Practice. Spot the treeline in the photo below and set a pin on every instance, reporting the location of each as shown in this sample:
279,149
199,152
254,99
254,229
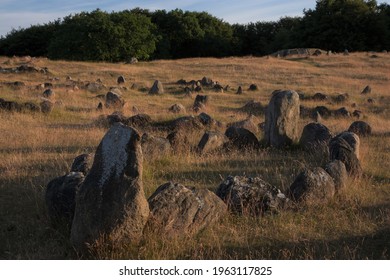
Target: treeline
356,25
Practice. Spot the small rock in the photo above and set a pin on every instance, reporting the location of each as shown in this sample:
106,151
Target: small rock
211,141
336,169
361,128
157,88
366,90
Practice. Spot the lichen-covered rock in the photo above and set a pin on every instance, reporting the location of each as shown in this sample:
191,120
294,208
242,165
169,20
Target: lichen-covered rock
211,141
178,210
254,196
200,102
312,186
336,169
281,120
177,108
111,201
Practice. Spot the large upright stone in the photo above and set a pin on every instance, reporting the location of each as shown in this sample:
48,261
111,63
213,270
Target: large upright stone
281,120
111,201
157,88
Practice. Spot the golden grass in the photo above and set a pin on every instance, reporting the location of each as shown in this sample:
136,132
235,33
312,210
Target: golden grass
35,148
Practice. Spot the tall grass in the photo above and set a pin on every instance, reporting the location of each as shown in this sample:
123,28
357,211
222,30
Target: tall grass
36,148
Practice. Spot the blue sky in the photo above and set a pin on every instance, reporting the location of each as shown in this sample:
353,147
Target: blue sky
23,13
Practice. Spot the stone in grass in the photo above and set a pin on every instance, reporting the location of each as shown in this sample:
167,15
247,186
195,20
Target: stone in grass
176,209
313,185
111,202
253,196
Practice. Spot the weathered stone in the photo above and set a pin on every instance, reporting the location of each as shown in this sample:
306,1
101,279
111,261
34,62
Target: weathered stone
121,80
154,146
361,128
208,121
111,201
139,121
180,210
115,117
157,88
353,140
95,87
312,185
49,93
60,198
239,90
319,96
253,87
114,100
46,106
206,81
179,141
241,138
177,108
281,120
251,124
339,149
200,102
211,141
342,113
314,135
253,108
366,90
336,169
253,196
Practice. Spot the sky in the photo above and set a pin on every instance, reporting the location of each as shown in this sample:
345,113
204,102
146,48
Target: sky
24,13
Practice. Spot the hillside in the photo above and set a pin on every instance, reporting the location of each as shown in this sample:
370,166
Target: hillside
37,147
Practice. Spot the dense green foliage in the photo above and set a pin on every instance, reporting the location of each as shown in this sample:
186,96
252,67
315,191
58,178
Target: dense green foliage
356,25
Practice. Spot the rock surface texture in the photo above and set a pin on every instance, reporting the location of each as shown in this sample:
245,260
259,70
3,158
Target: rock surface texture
111,201
177,209
281,120
254,196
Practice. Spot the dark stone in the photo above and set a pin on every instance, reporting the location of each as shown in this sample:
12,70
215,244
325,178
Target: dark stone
60,198
342,113
121,80
241,138
253,87
366,90
114,100
157,88
253,196
319,96
239,90
322,110
139,121
361,128
315,135
340,150
312,185
82,163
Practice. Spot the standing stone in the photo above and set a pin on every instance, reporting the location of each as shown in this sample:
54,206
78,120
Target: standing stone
46,106
239,90
114,100
121,80
366,90
111,201
312,185
336,169
339,149
281,120
157,88
254,196
48,93
177,209
200,102
353,140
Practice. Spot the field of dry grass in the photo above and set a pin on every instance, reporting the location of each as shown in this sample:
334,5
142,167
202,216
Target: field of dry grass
35,148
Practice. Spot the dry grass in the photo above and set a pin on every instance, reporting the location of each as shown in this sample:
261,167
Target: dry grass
35,148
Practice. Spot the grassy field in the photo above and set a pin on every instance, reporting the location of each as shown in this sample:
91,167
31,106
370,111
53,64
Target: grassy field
35,148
